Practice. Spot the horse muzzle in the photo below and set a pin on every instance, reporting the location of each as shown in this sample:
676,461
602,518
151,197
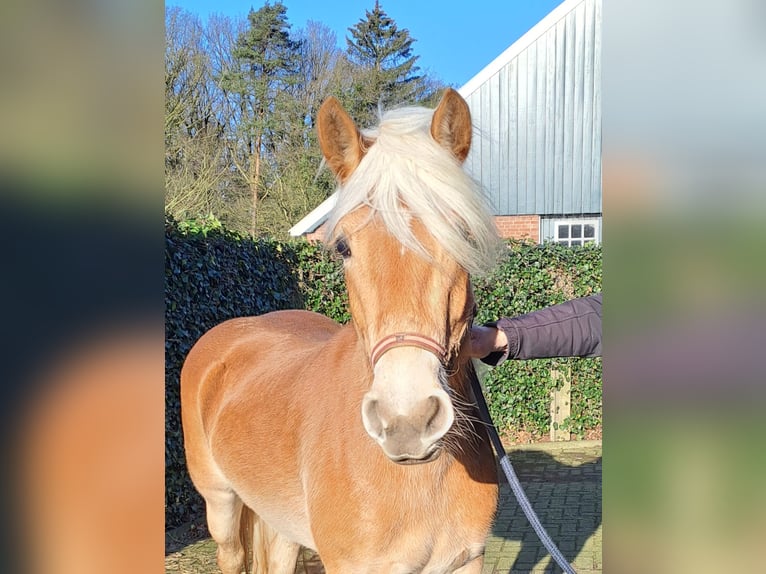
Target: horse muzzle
411,437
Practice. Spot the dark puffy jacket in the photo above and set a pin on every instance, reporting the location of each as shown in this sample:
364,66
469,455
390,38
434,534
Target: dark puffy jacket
571,329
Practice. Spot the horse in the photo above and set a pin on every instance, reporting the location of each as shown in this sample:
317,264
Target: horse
360,441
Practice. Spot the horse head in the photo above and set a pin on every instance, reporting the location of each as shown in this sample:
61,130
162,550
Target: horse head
411,226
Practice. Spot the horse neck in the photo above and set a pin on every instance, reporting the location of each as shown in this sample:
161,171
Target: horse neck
459,379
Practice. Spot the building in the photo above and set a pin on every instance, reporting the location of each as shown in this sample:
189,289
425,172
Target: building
536,149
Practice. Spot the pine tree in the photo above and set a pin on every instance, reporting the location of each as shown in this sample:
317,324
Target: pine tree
266,68
386,67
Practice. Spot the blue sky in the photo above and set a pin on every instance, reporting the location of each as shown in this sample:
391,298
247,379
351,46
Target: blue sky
454,39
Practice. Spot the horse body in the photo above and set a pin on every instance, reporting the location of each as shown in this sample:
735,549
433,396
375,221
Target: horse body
331,494
359,441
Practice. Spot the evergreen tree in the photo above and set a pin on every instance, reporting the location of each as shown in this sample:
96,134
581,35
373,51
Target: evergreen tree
386,67
267,64
241,98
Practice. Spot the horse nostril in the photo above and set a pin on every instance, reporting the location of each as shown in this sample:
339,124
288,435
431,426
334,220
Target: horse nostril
438,416
371,418
432,411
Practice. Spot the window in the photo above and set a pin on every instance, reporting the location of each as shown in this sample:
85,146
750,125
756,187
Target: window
576,231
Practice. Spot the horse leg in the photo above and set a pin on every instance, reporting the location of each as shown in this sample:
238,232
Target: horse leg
224,509
272,552
283,556
473,567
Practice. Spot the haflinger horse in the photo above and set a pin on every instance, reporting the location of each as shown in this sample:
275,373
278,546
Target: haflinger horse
361,440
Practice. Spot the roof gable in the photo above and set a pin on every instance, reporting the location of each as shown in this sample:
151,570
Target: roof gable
319,215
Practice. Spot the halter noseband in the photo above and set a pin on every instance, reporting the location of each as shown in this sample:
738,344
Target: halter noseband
407,340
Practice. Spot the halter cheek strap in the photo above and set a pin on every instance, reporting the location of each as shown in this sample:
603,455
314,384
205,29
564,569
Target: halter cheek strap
407,340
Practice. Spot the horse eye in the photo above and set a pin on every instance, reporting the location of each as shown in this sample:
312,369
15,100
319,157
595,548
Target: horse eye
342,247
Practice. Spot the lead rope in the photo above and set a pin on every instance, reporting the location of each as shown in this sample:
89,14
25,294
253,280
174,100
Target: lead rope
513,480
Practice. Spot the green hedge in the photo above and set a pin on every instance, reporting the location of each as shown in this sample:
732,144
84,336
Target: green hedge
527,278
212,275
320,280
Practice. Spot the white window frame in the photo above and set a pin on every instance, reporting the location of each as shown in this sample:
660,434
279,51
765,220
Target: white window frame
570,222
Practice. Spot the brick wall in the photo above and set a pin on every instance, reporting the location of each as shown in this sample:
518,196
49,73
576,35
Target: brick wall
508,226
518,227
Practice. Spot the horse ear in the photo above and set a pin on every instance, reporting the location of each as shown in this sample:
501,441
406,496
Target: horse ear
451,125
343,146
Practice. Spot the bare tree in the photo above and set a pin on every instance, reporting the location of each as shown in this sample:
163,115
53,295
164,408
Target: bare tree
193,162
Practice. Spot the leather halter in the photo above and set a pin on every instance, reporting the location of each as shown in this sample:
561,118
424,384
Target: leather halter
407,340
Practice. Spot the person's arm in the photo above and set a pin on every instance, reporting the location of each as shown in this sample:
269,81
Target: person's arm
571,329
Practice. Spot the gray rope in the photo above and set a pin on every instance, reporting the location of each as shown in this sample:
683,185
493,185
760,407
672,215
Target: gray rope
513,480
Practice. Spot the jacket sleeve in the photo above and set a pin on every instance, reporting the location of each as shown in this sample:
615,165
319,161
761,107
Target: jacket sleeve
571,329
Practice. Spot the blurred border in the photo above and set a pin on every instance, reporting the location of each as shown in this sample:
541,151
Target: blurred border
81,192
81,200
684,194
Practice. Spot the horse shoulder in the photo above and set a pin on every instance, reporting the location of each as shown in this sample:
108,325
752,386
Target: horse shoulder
244,360
247,339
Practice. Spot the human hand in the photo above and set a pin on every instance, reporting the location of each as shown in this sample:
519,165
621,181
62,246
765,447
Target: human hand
485,340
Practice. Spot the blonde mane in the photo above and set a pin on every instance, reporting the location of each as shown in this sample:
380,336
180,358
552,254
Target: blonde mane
407,175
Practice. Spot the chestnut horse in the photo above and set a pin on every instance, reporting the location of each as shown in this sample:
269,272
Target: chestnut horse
359,441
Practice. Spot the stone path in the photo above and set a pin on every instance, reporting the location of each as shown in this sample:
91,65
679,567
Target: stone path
563,483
